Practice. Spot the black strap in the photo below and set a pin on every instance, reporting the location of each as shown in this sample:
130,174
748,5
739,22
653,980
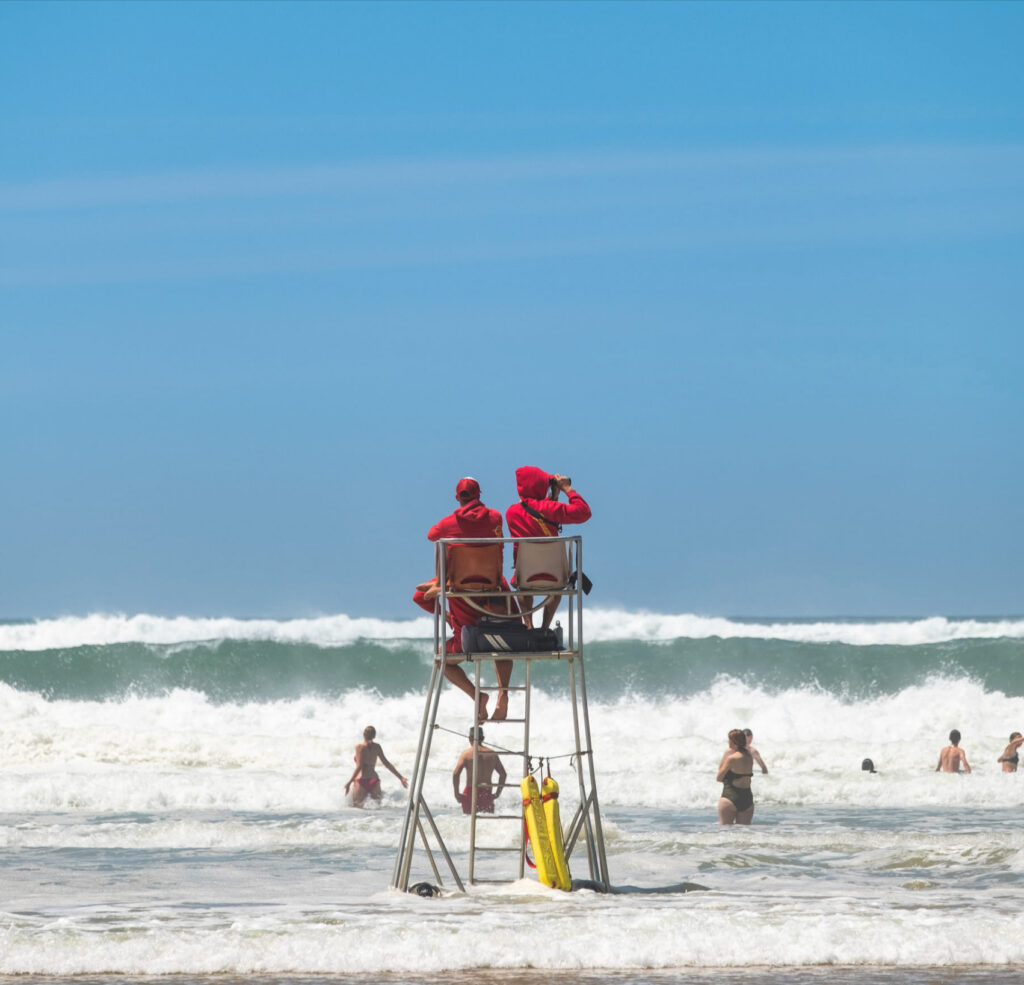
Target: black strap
539,516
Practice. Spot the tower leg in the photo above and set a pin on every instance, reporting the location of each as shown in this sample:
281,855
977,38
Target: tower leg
400,876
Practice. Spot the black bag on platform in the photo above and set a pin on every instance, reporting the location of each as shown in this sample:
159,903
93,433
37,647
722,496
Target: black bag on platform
509,637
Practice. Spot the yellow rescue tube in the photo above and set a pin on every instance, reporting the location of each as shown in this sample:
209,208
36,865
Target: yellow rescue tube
549,791
550,861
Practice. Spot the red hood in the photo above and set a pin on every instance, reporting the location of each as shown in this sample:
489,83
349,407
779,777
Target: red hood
532,483
474,510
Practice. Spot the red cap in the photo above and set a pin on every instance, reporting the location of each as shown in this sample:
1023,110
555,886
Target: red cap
468,488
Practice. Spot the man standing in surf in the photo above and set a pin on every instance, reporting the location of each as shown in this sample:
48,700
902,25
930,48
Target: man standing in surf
952,756
365,776
487,764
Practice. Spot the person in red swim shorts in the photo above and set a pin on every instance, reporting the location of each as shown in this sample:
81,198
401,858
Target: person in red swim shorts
471,519
540,514
367,783
487,764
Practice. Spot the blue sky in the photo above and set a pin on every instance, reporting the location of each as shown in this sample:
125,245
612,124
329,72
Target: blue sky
274,276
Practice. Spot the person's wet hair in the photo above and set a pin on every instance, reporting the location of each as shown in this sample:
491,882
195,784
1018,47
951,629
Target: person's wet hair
476,735
369,732
868,765
738,739
954,737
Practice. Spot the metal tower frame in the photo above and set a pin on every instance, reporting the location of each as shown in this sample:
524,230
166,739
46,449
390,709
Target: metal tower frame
587,818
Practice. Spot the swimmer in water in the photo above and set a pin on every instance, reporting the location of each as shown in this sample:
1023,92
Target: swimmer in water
736,805
753,752
952,756
1011,754
367,783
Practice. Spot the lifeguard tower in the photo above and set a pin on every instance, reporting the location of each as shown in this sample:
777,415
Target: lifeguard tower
470,569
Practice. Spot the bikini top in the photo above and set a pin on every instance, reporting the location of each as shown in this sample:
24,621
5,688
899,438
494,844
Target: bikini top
730,776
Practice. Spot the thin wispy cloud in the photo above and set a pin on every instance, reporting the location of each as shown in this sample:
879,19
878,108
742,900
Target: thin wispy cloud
230,223
234,182
902,228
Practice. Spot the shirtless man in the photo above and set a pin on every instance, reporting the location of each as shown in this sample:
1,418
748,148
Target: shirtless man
952,756
487,764
365,776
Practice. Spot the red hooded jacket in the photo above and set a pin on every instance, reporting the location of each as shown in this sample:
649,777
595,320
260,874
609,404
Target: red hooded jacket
471,520
533,485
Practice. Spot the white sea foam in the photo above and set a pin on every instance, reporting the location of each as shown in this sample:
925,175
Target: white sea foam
182,751
552,931
618,624
174,835
100,629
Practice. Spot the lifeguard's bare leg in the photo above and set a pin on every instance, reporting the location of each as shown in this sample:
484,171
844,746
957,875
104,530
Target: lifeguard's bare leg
503,669
525,605
458,677
550,608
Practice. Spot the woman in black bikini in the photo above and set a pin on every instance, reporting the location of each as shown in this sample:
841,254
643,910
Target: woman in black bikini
736,805
1011,754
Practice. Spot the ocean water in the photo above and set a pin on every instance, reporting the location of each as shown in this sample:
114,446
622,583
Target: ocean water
172,807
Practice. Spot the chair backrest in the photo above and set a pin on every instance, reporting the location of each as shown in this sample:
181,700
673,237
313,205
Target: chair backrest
542,565
474,566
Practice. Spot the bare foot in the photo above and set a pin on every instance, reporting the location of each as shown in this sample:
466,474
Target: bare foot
481,709
501,709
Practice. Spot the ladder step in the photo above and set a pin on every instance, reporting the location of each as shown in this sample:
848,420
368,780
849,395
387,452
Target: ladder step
483,848
498,687
494,882
505,721
499,817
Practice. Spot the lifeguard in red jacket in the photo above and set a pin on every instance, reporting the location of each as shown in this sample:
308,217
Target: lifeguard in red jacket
539,513
471,519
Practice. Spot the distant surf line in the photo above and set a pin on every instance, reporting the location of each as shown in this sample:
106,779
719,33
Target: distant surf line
603,625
